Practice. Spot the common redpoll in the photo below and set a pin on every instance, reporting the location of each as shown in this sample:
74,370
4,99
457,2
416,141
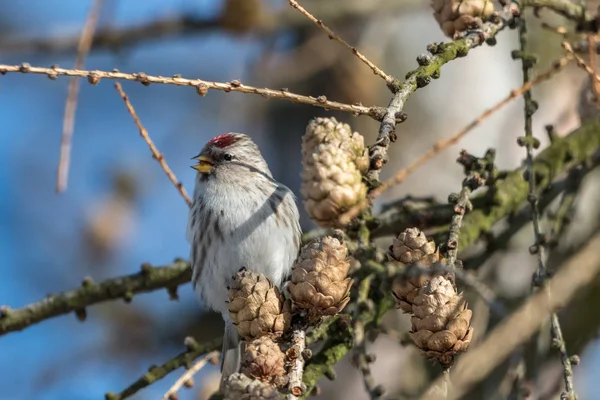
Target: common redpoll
240,217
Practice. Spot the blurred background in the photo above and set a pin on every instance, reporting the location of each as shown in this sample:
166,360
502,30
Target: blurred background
120,210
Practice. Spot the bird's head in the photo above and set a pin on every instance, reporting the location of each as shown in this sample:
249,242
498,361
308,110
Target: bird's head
230,152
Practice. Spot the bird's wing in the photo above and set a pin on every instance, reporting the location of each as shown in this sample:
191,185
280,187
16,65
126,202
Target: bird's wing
189,233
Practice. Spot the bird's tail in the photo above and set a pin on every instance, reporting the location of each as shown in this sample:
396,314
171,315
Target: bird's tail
231,355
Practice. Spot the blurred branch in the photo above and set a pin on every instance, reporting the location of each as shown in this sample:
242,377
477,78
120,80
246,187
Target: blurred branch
168,28
592,57
530,142
476,364
581,323
581,63
561,217
185,359
361,358
333,36
83,47
125,287
157,155
566,8
212,357
522,217
202,87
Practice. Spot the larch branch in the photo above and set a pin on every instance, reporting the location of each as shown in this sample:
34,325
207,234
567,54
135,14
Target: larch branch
212,357
158,156
90,293
201,86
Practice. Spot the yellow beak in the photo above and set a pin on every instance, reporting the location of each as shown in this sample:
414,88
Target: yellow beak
205,164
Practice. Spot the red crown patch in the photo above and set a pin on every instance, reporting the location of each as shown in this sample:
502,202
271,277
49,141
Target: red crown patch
222,141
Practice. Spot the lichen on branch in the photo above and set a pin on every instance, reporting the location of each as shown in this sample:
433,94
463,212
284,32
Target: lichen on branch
148,279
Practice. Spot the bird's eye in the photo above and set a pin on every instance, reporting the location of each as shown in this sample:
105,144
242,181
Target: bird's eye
227,157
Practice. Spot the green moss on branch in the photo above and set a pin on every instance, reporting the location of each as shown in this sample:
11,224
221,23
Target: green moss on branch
148,279
576,148
429,69
340,339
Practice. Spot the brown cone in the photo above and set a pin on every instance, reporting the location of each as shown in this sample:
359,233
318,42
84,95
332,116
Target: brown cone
264,360
319,282
441,321
410,247
257,308
456,16
333,159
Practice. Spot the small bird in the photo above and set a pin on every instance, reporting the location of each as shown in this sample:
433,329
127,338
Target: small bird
240,218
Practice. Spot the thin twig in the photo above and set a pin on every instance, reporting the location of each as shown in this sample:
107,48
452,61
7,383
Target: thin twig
559,30
443,144
201,86
592,54
158,156
333,36
541,275
361,358
83,47
210,357
562,216
183,359
462,206
477,363
479,172
580,61
295,384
